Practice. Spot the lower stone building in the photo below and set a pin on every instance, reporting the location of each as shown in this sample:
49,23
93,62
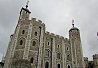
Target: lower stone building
91,64
2,63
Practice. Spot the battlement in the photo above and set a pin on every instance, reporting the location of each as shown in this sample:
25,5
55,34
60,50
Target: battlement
33,19
66,39
85,58
48,33
95,56
52,34
37,21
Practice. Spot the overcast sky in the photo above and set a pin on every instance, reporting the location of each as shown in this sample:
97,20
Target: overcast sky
57,16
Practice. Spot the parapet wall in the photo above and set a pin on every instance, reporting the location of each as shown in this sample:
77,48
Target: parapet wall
85,58
95,56
37,21
57,36
48,33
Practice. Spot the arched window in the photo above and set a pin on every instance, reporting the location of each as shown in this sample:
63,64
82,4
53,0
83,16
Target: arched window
46,65
34,43
35,33
68,66
47,52
58,55
67,48
21,42
48,43
58,46
23,31
58,65
68,57
31,60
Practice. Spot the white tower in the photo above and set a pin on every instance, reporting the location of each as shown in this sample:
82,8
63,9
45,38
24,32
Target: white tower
76,47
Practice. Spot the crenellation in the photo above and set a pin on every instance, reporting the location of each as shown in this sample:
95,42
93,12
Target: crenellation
57,36
43,24
95,56
86,58
66,39
61,37
39,21
47,32
33,19
52,34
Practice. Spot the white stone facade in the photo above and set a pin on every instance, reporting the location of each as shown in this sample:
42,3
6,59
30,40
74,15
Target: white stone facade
42,49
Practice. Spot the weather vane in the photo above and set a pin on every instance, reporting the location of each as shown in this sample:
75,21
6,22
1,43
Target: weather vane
27,3
73,23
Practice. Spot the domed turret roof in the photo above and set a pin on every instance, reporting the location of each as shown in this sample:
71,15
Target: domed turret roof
26,9
73,28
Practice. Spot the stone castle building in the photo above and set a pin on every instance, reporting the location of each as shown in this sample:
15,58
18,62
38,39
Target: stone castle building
31,46
91,64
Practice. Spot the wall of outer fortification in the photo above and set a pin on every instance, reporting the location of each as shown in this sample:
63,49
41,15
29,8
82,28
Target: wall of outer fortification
86,62
95,60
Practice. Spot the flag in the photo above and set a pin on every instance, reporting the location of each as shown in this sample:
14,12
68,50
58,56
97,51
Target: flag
73,23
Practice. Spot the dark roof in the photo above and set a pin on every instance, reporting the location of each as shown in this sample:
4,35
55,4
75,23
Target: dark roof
73,28
26,10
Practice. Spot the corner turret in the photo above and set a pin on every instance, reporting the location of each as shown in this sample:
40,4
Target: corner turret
24,13
75,42
73,28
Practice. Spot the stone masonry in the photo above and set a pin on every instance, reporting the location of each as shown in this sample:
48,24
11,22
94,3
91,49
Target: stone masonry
31,46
